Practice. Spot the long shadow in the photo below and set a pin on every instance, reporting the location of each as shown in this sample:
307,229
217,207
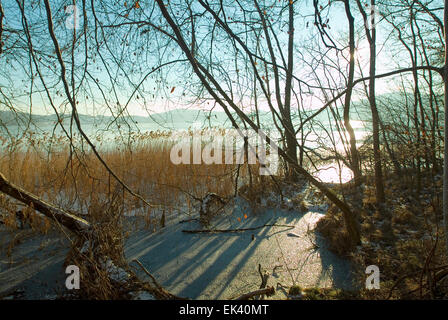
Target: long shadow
180,258
172,260
160,255
225,259
235,270
159,251
289,218
190,265
339,269
46,282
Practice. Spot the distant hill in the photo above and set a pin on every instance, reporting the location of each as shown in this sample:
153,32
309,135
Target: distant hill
180,119
174,119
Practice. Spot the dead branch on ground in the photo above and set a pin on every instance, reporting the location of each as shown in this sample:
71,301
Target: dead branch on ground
240,230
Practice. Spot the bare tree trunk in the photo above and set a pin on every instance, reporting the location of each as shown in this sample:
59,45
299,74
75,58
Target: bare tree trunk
285,108
71,222
2,15
355,162
371,37
379,184
291,140
445,141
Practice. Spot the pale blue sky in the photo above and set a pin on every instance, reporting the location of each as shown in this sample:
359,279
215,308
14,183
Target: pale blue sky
338,23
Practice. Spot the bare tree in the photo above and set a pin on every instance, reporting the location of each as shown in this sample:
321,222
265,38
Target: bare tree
370,30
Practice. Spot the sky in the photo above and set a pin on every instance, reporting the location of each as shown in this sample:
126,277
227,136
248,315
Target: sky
173,90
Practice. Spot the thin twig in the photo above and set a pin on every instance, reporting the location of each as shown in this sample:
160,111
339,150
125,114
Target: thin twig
149,274
162,291
284,260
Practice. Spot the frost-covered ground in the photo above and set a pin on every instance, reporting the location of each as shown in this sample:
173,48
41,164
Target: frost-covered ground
197,266
33,270
225,265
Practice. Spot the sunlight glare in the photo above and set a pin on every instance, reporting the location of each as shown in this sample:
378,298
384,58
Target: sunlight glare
330,174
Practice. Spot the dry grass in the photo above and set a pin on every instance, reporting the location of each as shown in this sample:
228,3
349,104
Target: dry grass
27,217
313,293
75,180
332,227
91,254
260,190
404,240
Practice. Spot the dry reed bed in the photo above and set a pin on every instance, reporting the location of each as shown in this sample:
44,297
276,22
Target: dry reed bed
74,178
76,181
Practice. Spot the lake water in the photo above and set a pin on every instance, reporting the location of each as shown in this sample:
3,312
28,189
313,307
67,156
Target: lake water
109,137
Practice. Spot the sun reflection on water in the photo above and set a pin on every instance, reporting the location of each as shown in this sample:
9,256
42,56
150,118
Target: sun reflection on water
332,174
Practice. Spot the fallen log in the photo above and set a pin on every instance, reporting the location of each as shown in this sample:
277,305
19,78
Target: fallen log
238,230
70,221
81,228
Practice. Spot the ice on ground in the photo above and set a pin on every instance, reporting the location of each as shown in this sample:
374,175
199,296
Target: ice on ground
33,268
143,295
225,265
198,266
115,273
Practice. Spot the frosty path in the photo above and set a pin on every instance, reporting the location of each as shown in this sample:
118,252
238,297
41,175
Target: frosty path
225,265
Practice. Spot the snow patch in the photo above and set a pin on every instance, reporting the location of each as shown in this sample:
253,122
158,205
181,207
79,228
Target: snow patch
116,273
143,295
